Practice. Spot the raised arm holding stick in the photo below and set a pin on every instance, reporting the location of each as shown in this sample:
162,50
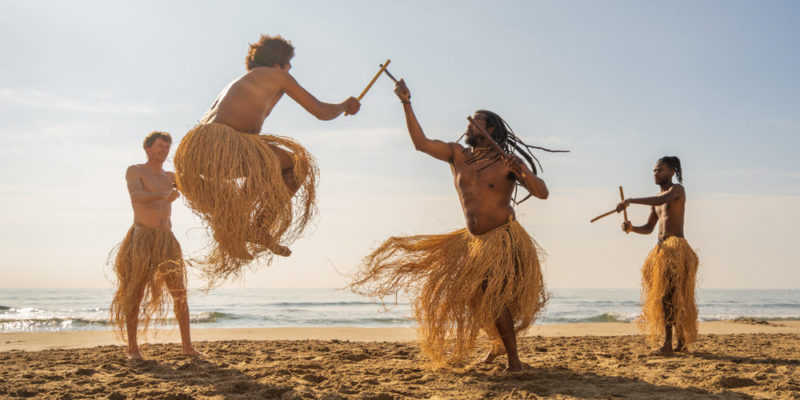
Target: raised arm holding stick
255,192
456,293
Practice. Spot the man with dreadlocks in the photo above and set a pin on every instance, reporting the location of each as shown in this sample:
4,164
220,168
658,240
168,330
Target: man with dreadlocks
485,276
668,274
241,183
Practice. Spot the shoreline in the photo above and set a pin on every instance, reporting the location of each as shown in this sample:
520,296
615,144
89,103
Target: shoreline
35,341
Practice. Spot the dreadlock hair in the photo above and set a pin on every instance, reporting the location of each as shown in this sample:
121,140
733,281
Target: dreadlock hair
504,136
674,163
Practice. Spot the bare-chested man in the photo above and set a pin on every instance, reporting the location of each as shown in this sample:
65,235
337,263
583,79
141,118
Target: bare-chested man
668,274
149,261
486,276
242,183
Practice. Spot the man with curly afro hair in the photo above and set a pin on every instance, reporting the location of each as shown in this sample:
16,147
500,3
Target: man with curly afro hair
256,192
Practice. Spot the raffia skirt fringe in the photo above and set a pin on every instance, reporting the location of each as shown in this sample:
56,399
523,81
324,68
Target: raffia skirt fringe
460,284
234,182
144,263
669,270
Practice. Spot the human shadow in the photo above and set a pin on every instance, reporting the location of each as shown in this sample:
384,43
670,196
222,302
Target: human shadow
744,359
586,385
187,377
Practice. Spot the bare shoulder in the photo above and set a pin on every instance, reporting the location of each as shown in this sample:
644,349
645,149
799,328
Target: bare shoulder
457,151
677,192
268,76
134,170
457,148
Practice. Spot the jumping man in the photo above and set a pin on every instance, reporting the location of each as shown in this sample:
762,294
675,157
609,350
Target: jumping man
255,192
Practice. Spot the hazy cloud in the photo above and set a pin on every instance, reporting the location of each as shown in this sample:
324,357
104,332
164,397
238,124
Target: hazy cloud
96,103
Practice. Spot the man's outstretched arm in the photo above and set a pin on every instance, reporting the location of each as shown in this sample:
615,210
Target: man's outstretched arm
435,148
673,193
319,109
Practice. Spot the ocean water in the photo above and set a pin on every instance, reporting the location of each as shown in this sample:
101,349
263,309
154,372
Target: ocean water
29,310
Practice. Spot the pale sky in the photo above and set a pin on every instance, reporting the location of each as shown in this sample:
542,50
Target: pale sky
620,83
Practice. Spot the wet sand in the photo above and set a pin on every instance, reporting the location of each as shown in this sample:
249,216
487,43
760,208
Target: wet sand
571,361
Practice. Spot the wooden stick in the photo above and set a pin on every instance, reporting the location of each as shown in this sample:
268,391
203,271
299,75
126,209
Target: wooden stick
375,78
603,215
389,74
624,210
488,137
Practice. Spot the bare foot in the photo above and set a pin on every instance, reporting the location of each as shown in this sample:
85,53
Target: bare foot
515,366
663,351
190,351
490,356
277,249
280,250
135,355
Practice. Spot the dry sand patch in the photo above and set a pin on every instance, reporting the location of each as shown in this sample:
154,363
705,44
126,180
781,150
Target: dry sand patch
741,366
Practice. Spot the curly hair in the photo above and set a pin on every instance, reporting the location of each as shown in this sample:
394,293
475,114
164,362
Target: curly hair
269,51
152,136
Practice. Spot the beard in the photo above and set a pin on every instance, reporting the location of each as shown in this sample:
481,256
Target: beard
472,141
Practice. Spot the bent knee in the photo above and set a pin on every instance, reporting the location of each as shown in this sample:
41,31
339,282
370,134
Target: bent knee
285,158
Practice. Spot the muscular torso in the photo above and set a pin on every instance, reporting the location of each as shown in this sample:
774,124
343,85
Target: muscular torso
247,101
670,218
485,195
154,214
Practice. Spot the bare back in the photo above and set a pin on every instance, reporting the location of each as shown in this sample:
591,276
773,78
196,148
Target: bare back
246,102
670,214
154,213
486,194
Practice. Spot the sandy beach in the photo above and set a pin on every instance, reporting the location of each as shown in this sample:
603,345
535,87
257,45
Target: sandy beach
733,360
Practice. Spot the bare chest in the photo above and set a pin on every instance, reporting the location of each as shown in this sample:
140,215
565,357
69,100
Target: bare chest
482,177
153,182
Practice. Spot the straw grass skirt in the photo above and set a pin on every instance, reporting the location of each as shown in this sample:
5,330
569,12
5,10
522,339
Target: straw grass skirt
145,262
669,272
236,184
459,284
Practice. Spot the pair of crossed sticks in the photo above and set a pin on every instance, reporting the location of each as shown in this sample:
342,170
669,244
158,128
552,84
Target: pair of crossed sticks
624,210
382,70
481,129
